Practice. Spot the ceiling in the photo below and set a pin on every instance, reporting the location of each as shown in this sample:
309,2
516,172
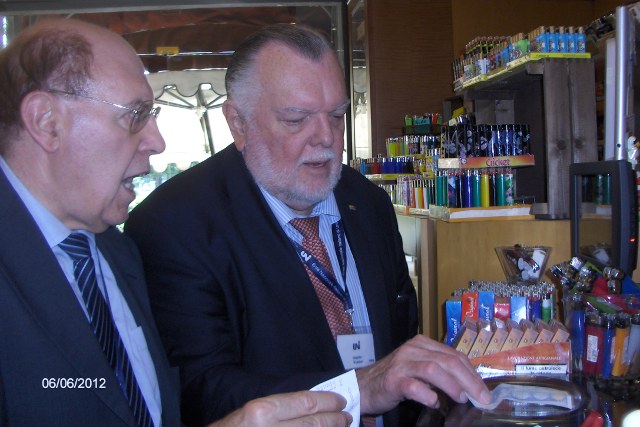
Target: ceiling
191,38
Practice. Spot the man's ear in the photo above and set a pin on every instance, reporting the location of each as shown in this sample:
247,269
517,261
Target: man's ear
40,118
236,123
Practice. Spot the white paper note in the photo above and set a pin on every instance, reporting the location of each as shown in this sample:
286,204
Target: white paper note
345,385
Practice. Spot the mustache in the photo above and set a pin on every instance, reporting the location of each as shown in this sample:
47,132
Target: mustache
318,157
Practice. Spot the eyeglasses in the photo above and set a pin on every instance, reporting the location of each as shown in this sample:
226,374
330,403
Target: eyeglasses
139,115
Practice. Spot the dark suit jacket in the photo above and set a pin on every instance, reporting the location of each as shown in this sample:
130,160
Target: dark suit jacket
44,334
234,305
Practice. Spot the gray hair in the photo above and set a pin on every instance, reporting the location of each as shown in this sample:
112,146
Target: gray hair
240,73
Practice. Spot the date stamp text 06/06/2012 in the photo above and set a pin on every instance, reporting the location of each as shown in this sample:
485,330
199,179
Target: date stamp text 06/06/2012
73,383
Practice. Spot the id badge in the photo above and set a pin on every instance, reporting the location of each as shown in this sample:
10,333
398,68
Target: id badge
356,350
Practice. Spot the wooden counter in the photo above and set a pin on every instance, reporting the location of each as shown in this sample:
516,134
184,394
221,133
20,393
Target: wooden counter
450,254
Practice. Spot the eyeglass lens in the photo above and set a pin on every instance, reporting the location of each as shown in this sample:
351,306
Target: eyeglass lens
141,116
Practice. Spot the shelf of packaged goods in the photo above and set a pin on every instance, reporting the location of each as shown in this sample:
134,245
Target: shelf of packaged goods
424,129
512,67
487,162
408,210
400,156
489,213
379,177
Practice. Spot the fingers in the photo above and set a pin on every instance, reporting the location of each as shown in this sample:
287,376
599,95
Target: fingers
453,373
413,370
304,408
298,404
325,419
393,379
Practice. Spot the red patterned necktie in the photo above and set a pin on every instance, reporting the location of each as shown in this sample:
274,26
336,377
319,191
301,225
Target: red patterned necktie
338,319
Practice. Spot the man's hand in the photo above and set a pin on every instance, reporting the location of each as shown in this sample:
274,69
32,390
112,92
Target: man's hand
412,371
303,408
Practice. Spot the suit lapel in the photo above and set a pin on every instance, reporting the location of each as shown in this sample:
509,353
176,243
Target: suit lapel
130,278
283,270
49,298
126,274
361,237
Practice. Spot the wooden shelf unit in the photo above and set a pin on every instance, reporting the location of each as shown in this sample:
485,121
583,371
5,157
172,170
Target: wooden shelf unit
556,98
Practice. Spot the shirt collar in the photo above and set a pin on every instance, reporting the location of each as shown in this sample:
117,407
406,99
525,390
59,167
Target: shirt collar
283,213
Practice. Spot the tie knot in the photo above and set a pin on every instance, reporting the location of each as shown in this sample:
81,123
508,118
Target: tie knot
76,245
308,227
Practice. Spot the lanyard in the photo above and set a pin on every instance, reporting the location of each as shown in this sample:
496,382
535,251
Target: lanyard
322,273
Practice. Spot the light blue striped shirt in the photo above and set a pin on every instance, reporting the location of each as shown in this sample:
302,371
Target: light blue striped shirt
329,214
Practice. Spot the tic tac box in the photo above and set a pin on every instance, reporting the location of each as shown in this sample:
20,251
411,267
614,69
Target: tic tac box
545,334
482,339
498,338
466,337
560,332
529,333
514,335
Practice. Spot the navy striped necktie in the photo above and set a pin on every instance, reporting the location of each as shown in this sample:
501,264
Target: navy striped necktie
77,246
